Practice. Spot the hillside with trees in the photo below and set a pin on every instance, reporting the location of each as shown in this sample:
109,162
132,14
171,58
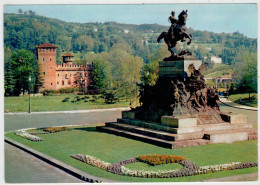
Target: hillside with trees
125,54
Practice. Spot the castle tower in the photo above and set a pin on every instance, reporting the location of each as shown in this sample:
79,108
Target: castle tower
67,58
47,65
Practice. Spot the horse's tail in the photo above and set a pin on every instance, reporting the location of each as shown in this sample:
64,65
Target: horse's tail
162,35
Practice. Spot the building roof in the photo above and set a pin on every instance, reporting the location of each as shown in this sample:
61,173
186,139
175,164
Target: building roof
46,45
68,55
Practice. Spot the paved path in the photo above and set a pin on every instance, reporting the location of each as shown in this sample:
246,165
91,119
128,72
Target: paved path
236,178
21,167
252,115
37,120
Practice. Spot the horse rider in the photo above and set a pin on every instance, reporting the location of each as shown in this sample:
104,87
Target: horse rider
173,22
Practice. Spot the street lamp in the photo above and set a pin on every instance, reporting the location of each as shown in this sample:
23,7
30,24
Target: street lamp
29,94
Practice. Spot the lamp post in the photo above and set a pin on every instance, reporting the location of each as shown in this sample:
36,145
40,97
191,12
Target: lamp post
29,94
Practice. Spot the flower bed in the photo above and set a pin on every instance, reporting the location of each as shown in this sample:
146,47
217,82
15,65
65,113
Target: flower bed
189,167
28,136
92,161
55,129
157,159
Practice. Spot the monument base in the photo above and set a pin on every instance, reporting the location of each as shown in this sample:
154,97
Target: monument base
177,132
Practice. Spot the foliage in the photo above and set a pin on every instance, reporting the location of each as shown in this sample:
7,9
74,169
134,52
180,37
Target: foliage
127,57
55,129
157,159
110,96
101,74
20,66
247,72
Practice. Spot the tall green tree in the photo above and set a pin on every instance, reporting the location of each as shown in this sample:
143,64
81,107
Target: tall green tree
101,74
21,66
247,72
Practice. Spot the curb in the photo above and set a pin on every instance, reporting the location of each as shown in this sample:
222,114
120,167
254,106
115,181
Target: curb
67,168
69,111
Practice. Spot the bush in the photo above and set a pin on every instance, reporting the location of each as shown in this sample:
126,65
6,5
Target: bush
65,100
50,92
68,90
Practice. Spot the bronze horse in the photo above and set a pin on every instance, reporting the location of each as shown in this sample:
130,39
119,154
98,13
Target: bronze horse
179,33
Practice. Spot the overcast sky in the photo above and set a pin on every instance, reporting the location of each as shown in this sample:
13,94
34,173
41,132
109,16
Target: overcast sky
218,18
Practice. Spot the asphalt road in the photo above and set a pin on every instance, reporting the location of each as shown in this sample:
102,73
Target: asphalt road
21,167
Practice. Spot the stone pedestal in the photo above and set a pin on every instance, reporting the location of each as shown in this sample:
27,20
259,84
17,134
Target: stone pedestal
178,68
128,115
234,118
172,121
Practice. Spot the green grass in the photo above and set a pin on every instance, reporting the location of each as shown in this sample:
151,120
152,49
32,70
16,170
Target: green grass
54,103
111,148
245,99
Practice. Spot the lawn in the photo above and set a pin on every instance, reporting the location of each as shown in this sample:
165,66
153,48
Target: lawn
54,103
244,99
111,148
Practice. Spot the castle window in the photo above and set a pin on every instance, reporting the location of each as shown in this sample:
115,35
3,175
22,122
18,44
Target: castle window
58,75
57,82
43,73
86,74
50,59
66,76
43,59
51,83
62,82
68,82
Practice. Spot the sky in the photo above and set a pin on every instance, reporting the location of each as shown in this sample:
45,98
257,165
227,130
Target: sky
218,18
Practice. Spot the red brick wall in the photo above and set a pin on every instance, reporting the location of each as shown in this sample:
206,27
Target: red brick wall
47,67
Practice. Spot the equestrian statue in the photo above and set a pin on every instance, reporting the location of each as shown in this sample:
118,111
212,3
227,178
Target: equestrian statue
177,32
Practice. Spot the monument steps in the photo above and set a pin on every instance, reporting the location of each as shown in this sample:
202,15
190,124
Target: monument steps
169,137
155,133
153,140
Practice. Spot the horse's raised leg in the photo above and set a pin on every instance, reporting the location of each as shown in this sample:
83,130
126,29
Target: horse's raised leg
190,37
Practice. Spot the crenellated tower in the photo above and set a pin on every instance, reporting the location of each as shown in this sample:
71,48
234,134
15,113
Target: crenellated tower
46,54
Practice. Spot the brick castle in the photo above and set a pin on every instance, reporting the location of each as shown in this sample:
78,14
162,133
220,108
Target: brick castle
67,74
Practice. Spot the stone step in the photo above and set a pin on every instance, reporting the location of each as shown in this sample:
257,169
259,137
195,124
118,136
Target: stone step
252,136
212,127
155,133
144,124
199,128
155,141
144,131
226,136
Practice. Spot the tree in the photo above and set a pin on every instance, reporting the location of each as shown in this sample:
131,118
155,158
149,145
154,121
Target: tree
22,65
247,72
101,74
20,11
